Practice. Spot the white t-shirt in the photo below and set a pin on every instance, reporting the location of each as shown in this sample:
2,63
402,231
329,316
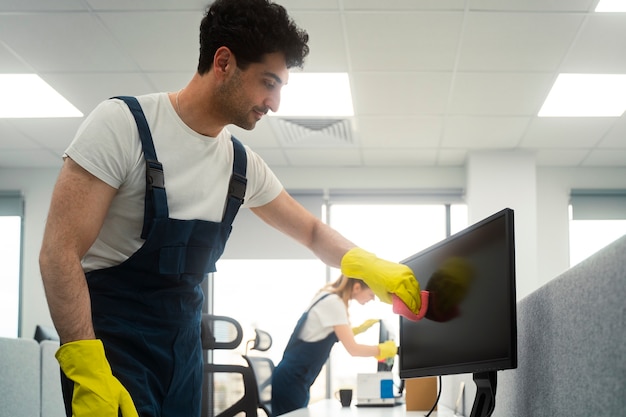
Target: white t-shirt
196,168
329,312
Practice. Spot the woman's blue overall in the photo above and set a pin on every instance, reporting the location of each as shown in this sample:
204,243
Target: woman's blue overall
298,369
148,309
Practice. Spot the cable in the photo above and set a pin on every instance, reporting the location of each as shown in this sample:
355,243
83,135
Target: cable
436,401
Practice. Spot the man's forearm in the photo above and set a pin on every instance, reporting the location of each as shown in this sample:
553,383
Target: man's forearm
68,299
329,245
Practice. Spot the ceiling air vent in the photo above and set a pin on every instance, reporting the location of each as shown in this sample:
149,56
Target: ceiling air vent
309,132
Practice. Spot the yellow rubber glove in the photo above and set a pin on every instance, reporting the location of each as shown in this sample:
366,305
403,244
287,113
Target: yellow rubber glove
383,277
388,349
364,326
96,391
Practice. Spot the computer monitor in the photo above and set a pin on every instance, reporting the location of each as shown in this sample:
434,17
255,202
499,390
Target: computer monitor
479,334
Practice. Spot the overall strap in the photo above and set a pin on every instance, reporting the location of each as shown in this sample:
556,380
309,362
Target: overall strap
318,300
238,182
155,204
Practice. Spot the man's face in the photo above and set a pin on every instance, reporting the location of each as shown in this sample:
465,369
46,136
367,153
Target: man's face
249,94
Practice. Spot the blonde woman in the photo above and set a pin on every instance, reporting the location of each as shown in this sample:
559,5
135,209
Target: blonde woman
323,324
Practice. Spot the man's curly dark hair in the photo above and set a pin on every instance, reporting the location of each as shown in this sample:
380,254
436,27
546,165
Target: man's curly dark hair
250,29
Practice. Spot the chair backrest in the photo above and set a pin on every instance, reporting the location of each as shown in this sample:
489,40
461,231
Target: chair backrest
262,367
221,332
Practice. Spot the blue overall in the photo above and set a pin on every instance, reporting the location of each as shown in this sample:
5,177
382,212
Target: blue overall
147,310
301,364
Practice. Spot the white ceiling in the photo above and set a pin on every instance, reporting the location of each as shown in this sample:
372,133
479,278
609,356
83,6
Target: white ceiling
431,79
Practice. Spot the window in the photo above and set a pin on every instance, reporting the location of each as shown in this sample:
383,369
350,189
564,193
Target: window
397,232
270,286
596,218
11,209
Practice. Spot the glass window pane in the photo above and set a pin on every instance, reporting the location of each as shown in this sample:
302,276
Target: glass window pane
269,295
458,218
393,232
10,244
586,237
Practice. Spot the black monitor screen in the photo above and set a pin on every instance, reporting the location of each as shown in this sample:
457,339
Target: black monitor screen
472,330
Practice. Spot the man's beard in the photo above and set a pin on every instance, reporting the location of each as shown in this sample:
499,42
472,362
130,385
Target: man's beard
233,104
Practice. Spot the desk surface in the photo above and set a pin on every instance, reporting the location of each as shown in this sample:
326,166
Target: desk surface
332,408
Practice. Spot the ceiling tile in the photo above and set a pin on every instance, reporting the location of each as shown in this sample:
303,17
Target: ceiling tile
169,81
62,42
86,90
11,63
173,34
40,158
294,5
421,41
11,138
431,79
501,94
403,5
400,93
560,157
516,41
397,131
483,132
403,157
272,157
601,46
30,6
564,132
616,136
328,50
606,157
262,136
451,157
533,5
152,5
323,157
49,133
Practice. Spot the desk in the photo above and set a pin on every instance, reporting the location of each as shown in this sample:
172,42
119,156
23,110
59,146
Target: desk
332,408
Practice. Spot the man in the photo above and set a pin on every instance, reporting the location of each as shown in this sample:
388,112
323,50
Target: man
142,210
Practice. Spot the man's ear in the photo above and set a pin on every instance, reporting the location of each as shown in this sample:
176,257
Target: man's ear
223,60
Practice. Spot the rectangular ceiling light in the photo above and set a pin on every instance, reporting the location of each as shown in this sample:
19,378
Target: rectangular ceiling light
316,95
586,95
611,6
28,96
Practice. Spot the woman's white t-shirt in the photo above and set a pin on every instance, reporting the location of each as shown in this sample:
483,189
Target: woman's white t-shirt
329,312
196,168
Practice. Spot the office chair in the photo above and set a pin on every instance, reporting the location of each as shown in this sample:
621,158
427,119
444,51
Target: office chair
220,332
262,368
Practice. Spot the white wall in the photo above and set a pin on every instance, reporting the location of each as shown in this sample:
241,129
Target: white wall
553,185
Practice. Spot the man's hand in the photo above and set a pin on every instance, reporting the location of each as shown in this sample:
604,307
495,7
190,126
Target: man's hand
383,277
96,391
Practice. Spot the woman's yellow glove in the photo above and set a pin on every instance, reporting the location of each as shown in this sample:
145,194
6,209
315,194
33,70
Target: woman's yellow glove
383,277
364,326
388,349
96,391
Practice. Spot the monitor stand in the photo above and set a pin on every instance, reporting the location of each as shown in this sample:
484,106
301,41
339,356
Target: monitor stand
485,400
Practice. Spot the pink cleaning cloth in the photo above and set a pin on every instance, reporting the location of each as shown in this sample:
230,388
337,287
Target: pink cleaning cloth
402,309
